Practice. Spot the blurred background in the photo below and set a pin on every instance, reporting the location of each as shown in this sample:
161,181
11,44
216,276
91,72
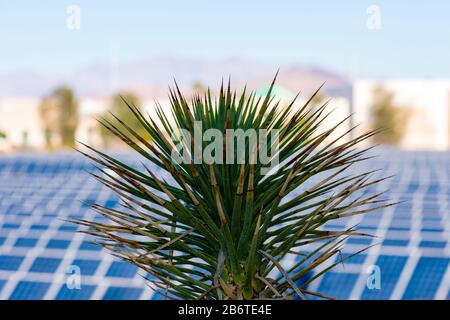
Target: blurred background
65,63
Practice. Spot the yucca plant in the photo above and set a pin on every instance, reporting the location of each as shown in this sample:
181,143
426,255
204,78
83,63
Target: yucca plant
220,230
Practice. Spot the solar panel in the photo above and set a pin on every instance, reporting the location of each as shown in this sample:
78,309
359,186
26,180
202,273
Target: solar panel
42,258
40,255
426,278
30,290
344,281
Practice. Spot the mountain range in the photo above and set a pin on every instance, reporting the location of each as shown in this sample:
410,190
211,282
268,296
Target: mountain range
150,77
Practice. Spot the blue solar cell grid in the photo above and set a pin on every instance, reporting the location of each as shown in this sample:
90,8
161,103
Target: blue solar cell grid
42,258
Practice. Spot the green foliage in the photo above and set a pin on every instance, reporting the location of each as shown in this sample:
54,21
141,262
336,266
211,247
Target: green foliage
217,231
385,114
199,87
119,109
2,135
60,116
68,115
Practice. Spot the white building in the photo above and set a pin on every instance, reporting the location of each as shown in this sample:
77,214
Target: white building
21,121
428,104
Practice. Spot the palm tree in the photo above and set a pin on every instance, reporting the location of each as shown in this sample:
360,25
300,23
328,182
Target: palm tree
386,114
68,115
49,118
60,117
212,230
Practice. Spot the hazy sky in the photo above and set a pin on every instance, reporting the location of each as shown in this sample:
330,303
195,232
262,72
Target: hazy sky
413,41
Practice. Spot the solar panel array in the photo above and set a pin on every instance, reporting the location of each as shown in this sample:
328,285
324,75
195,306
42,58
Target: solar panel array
42,258
412,253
